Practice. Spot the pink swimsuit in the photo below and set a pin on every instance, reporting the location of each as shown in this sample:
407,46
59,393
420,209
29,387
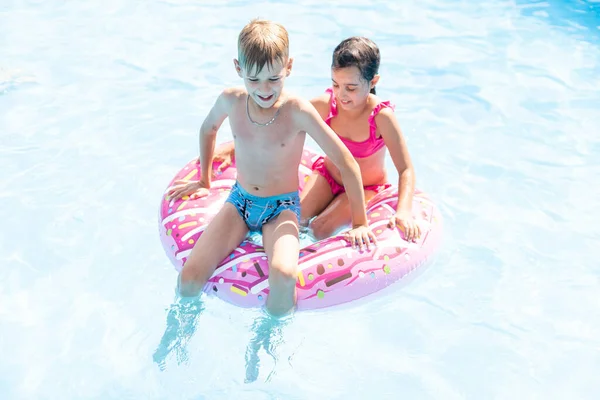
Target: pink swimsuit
358,149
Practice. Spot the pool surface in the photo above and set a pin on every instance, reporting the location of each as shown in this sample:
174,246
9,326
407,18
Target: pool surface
101,103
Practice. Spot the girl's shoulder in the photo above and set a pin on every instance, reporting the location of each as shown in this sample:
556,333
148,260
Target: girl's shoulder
322,104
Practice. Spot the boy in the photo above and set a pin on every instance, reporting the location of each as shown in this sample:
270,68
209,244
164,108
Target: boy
269,127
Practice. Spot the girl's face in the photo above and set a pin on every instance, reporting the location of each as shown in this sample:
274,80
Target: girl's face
350,89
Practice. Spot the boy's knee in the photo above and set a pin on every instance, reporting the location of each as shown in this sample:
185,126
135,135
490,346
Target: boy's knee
188,284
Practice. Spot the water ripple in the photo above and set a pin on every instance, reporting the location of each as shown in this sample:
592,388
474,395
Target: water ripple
498,101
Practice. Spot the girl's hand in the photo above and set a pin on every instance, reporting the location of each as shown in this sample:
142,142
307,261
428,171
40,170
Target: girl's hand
224,154
406,223
361,236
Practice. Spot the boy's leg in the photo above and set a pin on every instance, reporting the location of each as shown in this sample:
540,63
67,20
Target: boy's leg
280,239
335,216
222,235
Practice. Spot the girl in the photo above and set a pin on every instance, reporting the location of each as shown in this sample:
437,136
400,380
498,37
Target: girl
367,126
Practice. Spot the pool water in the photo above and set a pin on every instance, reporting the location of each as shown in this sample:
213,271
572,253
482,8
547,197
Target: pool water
100,105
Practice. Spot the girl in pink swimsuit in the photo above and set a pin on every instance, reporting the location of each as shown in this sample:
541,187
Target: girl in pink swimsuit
358,149
367,126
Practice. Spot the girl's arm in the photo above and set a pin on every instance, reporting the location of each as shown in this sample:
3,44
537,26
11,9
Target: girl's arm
394,140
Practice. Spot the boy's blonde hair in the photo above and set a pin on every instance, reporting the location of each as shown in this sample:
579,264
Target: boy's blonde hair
261,43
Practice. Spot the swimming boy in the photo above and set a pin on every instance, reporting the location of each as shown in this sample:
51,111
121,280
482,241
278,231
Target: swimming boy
269,126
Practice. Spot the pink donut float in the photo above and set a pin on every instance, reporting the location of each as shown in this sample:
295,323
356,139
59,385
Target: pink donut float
330,272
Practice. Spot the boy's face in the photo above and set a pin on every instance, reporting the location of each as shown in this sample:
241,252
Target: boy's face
266,86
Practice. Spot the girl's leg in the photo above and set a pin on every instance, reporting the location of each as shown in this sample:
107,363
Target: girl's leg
335,216
315,196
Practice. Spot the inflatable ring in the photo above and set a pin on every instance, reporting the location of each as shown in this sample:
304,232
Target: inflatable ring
330,272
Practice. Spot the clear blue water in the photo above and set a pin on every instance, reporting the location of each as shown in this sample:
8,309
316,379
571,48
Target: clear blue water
100,104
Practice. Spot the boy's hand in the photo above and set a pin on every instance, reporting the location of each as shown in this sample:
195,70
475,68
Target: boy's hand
407,224
195,189
361,236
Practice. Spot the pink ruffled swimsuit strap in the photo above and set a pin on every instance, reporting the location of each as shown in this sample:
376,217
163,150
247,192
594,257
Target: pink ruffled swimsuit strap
373,143
332,106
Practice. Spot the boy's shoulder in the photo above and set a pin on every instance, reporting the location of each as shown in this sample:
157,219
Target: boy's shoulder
234,93
303,112
297,104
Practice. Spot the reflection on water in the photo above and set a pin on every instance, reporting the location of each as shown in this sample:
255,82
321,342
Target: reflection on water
182,322
268,335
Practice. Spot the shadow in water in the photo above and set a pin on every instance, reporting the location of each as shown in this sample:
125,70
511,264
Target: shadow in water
182,321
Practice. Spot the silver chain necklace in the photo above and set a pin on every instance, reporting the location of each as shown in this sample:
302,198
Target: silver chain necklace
266,123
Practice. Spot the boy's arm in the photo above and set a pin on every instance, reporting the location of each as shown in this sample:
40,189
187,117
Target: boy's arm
310,121
208,133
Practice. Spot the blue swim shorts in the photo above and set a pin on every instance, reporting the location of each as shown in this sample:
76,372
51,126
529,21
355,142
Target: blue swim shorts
257,211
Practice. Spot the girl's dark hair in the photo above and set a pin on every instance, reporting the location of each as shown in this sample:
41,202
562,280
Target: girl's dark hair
360,52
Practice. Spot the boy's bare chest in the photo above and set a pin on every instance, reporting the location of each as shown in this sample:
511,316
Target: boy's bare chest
277,134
